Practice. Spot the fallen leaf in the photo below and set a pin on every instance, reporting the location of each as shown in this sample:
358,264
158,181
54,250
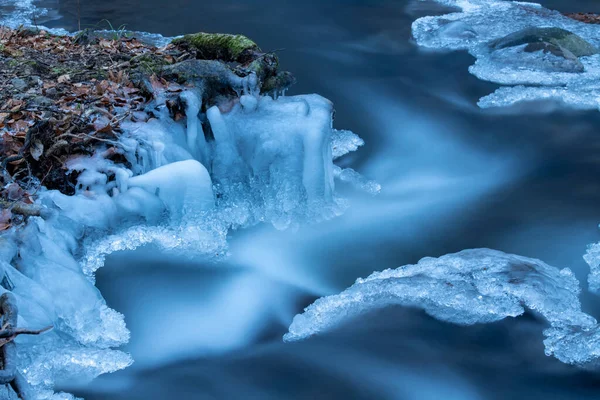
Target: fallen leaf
64,78
102,124
14,191
5,217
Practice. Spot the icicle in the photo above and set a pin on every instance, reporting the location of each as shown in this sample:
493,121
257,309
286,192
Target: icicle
158,149
317,173
195,135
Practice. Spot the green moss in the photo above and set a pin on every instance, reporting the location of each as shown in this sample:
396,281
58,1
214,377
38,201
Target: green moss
220,46
59,71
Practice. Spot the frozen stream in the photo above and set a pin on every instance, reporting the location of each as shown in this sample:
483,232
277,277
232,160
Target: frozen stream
523,180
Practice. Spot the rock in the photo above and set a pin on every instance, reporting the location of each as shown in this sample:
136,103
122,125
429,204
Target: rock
216,49
551,49
190,71
19,84
552,38
41,101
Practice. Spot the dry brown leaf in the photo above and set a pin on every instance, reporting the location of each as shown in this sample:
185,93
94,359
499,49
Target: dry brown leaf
5,219
64,78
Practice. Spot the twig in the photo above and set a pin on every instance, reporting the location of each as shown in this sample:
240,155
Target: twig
27,210
10,333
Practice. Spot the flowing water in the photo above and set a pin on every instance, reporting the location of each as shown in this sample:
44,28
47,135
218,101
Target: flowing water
521,180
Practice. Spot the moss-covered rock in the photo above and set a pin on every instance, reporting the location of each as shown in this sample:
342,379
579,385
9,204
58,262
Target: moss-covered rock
220,46
226,48
553,38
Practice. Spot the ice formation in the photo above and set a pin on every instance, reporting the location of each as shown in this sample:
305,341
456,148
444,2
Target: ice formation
38,265
529,75
572,80
182,189
592,257
470,287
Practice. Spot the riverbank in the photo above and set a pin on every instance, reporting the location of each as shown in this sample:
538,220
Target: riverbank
63,96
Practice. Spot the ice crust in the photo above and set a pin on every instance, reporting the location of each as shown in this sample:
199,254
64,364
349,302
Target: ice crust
528,76
466,288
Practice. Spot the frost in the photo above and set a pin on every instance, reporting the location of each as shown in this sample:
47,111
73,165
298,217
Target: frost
473,286
570,80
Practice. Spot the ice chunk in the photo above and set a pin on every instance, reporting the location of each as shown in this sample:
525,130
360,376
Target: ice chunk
270,160
77,304
473,286
50,358
592,257
185,187
344,142
517,43
357,180
274,158
275,131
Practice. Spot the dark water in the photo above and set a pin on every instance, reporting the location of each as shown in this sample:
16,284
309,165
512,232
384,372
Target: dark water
522,180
